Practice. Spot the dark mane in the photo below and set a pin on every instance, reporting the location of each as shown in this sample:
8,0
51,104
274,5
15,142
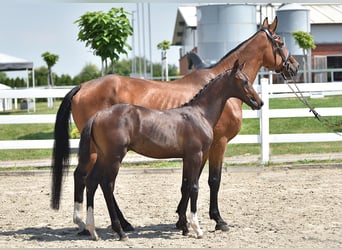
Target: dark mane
204,87
231,52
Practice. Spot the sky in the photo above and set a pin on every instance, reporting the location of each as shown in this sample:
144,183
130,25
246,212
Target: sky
31,27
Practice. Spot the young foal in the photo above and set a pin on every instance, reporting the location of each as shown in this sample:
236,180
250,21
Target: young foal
185,132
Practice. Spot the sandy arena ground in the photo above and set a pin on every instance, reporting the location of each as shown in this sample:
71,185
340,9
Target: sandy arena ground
265,207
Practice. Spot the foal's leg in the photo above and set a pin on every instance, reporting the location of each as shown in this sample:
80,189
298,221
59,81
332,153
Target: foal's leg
79,186
191,171
107,185
215,170
91,184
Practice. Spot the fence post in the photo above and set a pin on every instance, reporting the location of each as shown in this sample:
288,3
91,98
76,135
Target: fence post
264,122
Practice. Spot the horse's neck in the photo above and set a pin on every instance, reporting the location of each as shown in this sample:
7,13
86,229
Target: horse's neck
251,52
210,103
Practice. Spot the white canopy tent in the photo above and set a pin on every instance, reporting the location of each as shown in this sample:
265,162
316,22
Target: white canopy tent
11,63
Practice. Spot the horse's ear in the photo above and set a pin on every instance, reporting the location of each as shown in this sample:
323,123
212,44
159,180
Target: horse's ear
273,26
265,22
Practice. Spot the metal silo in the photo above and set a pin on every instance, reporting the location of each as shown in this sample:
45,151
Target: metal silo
221,28
292,17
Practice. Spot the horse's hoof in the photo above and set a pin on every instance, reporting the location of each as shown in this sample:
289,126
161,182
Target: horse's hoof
84,232
128,228
222,227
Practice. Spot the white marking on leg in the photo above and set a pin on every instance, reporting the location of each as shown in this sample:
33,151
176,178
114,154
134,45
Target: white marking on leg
195,225
77,218
90,223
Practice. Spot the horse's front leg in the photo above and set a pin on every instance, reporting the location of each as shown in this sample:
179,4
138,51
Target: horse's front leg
216,156
193,209
191,171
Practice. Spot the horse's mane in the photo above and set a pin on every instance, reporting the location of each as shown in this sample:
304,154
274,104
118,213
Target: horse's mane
231,52
199,93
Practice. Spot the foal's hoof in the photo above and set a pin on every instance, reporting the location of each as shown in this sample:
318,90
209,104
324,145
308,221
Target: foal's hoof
84,232
223,227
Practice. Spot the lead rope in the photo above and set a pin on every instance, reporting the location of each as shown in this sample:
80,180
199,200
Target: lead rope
336,127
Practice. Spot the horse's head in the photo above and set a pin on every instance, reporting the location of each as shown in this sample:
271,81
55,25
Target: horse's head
243,88
280,59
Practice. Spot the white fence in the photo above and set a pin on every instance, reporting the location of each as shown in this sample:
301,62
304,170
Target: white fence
264,138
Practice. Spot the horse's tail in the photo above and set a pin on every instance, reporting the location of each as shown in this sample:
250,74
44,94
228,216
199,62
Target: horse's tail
84,146
61,147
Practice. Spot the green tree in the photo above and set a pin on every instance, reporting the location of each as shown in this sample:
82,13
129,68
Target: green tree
40,76
106,34
51,60
89,72
164,46
306,42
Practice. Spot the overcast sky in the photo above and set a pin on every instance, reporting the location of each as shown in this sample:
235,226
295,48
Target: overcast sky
32,27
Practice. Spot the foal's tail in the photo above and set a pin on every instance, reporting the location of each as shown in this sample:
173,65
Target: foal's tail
61,147
84,146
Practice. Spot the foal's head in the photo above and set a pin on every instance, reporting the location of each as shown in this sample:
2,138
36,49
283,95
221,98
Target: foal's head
242,88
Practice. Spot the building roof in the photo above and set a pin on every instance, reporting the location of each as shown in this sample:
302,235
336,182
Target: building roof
325,13
186,18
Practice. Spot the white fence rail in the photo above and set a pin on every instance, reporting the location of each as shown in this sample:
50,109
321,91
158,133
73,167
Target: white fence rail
264,138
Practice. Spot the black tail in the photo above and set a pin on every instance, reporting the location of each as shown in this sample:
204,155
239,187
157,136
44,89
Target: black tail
61,147
84,146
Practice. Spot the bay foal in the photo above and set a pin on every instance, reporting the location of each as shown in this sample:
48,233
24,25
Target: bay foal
185,132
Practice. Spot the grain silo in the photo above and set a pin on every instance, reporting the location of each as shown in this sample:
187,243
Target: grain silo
292,17
220,28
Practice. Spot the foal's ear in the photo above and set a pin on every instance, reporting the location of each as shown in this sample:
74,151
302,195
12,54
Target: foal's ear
241,66
273,26
236,66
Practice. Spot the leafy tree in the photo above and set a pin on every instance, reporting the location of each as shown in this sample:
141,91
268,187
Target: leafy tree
50,60
89,72
40,75
164,46
106,34
306,42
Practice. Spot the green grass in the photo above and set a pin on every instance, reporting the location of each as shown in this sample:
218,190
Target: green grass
249,126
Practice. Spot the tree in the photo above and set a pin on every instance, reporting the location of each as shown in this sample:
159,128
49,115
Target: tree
106,34
89,72
306,42
164,46
50,60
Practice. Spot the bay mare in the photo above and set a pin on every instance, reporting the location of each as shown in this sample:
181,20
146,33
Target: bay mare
264,48
185,132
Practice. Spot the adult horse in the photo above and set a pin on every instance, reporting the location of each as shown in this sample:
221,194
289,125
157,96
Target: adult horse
185,132
264,48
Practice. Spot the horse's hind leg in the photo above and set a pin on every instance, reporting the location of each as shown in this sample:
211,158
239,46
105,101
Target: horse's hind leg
91,183
79,186
127,227
107,185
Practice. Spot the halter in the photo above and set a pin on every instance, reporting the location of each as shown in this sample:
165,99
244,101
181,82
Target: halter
277,48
